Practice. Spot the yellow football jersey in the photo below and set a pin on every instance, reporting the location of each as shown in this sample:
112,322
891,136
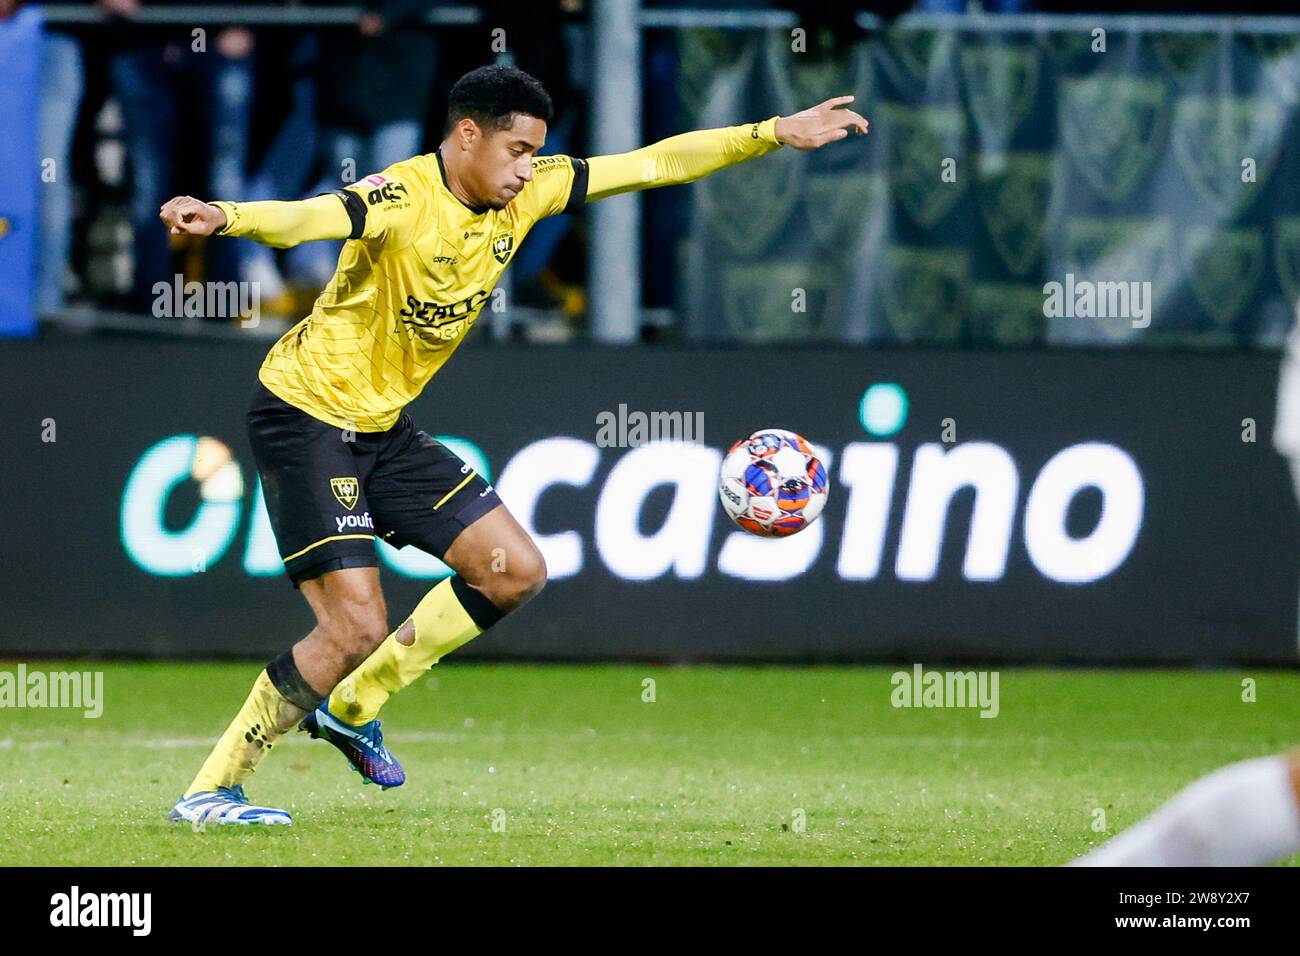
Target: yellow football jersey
419,266
418,270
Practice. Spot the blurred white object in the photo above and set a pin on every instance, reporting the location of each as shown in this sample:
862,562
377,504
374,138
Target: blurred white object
1245,814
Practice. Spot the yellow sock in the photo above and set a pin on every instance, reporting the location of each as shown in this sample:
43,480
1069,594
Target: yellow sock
265,717
441,625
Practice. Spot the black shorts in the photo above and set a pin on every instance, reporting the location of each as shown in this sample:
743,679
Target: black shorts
330,493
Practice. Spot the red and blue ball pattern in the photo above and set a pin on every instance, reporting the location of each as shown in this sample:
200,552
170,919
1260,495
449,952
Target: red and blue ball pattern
790,492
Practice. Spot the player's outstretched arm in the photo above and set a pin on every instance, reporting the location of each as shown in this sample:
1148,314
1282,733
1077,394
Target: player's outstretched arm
690,156
273,223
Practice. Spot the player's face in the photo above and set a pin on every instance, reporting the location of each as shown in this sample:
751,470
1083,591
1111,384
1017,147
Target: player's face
502,160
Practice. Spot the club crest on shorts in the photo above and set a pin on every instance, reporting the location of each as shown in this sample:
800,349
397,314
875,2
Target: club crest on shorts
502,244
346,491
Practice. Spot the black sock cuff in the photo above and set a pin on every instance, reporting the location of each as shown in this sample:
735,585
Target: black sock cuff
293,687
476,604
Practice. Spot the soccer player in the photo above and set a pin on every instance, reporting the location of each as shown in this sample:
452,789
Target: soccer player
1244,814
340,462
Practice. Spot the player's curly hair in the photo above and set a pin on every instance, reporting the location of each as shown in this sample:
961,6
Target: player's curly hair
492,95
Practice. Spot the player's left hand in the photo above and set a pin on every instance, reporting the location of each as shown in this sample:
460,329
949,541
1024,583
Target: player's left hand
824,123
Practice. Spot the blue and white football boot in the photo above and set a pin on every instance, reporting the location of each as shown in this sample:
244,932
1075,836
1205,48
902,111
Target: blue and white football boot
363,746
227,806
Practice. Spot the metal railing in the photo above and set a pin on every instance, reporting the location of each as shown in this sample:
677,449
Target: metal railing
681,18
251,15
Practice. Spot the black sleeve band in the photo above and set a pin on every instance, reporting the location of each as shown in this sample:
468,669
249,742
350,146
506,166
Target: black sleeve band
578,191
356,208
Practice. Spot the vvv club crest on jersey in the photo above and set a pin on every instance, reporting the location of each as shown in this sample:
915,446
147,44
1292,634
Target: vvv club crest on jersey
503,243
346,491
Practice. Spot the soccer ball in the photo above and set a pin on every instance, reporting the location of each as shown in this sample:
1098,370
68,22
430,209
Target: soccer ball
772,483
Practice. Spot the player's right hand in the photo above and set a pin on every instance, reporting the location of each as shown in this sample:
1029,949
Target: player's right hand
187,216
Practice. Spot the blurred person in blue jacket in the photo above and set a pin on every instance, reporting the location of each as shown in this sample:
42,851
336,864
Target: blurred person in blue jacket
62,85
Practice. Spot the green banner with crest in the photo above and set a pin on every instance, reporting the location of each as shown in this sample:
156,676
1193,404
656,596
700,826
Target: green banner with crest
1018,188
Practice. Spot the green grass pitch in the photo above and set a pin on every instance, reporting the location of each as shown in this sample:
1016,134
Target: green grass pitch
560,765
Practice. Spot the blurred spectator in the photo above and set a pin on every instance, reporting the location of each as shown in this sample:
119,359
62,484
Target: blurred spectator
285,144
373,89
152,70
62,84
540,37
